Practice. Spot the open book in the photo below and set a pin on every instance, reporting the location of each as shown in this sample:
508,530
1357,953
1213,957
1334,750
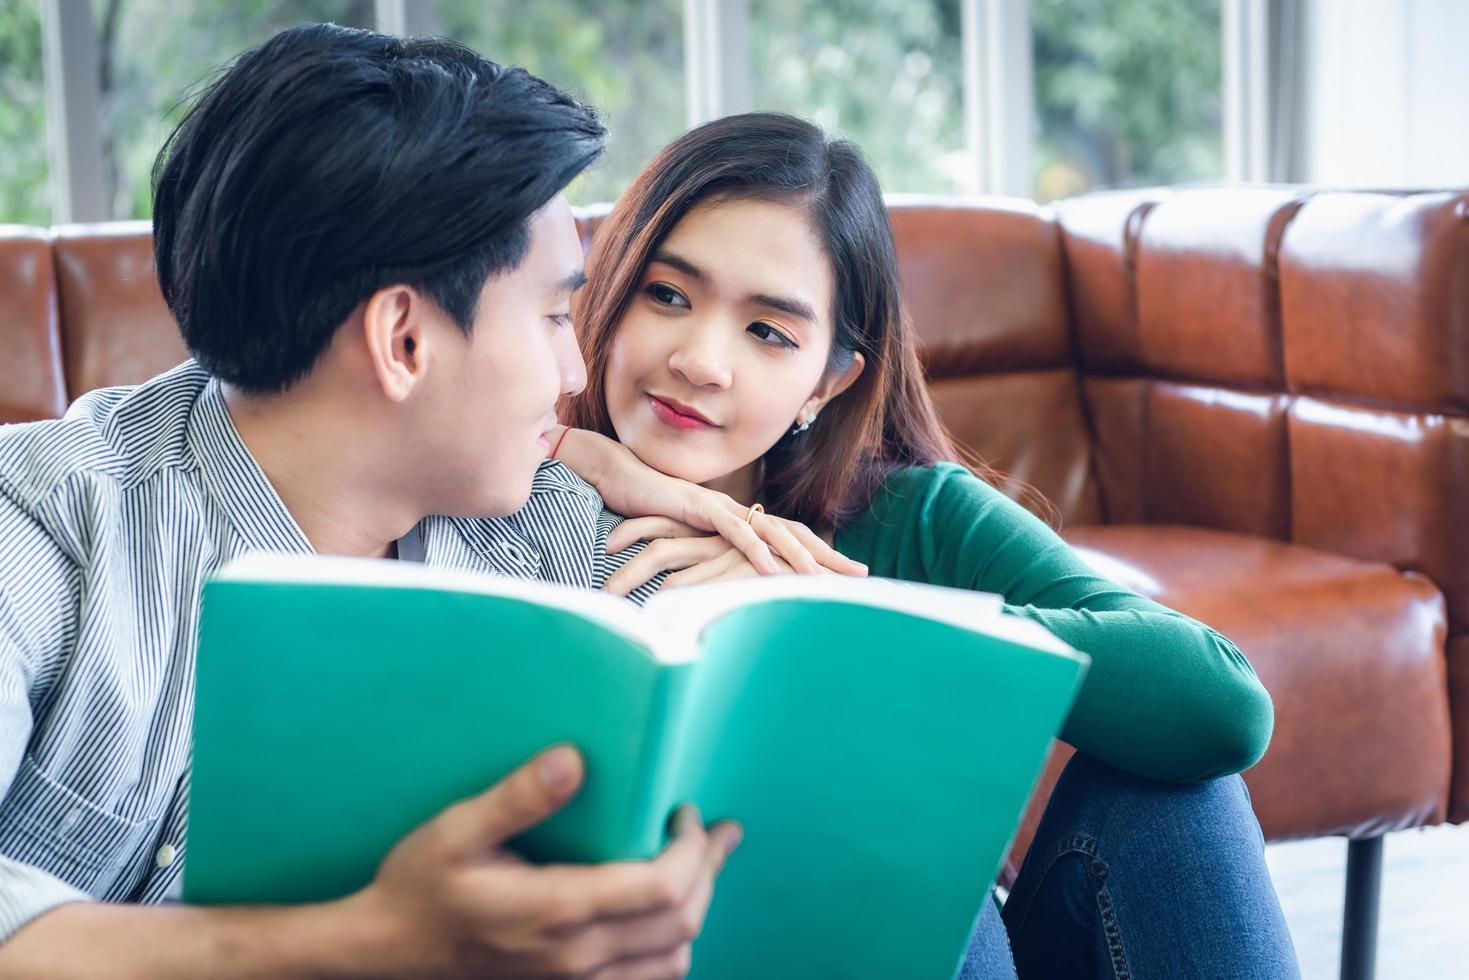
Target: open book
878,741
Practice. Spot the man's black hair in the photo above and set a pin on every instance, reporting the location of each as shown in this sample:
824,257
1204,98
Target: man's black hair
328,163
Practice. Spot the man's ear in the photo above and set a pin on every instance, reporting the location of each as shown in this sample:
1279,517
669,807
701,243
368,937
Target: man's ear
834,384
393,330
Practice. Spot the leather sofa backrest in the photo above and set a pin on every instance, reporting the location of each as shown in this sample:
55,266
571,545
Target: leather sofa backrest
115,328
32,378
1284,363
1272,361
983,285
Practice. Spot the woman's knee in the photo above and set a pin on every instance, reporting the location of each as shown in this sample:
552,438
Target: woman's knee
1103,801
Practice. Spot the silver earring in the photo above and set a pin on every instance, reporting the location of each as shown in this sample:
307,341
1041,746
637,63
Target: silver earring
802,425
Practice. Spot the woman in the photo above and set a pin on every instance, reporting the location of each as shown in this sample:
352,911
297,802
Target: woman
744,331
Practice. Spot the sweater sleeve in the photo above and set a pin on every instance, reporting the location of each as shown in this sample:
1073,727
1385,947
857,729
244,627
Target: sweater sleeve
1166,697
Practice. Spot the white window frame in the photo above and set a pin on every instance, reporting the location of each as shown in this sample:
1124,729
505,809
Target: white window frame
407,18
1246,96
716,46
73,122
999,95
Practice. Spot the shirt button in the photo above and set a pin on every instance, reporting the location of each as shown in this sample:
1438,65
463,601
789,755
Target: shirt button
69,822
165,855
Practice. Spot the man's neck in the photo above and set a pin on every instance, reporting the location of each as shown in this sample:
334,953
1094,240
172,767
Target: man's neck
324,473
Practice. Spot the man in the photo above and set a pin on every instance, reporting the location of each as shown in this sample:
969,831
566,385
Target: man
365,245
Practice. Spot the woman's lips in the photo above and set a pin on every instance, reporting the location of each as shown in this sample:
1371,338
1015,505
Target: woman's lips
668,414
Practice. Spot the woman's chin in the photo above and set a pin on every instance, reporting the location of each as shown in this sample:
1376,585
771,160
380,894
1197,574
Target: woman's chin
669,461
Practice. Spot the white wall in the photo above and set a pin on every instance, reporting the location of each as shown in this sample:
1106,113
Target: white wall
1385,93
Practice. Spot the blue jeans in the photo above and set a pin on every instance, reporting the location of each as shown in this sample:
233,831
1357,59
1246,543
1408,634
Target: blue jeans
1132,878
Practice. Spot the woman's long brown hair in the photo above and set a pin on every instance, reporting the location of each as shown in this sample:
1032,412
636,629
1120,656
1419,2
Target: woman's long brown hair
825,476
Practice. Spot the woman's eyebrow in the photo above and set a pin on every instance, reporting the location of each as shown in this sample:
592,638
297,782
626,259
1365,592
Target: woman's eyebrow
781,304
680,263
791,307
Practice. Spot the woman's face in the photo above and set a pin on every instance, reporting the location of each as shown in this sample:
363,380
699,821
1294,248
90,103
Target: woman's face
725,342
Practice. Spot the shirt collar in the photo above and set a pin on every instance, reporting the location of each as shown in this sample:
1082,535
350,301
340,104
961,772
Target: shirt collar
235,481
493,545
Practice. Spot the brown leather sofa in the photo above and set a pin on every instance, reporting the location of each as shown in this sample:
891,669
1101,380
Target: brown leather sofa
1249,403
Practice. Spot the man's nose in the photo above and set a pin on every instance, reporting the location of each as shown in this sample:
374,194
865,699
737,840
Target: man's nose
569,361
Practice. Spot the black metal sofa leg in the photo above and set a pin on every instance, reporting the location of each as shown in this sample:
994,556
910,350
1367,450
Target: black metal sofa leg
1359,915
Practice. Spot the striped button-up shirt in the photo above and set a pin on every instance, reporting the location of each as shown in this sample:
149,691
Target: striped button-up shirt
110,519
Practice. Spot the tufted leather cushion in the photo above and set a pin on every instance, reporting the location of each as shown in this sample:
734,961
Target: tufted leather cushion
1288,364
1351,652
115,326
982,284
32,385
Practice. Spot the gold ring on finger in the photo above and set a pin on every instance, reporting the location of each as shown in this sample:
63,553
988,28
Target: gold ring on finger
754,509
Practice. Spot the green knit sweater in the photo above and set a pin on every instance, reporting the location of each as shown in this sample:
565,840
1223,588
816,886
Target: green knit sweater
1167,697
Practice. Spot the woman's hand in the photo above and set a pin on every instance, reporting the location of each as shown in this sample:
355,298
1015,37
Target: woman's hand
697,558
631,487
694,560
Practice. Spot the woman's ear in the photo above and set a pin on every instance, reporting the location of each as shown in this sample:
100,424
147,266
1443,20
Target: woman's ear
833,385
394,337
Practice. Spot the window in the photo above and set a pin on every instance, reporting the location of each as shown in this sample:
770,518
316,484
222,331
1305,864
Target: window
1115,93
623,57
886,73
25,195
152,55
1127,93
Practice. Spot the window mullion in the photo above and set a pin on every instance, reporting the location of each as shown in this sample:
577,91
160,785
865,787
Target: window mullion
999,95
70,68
716,59
407,18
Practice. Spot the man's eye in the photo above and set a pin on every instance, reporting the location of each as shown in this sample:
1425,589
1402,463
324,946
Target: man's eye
667,295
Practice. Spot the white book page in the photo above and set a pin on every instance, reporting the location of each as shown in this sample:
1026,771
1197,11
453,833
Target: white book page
669,627
686,612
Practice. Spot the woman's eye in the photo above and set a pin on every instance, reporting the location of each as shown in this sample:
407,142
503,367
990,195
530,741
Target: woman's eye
561,319
667,295
767,333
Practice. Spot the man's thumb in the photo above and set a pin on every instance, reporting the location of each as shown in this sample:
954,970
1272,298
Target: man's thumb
518,802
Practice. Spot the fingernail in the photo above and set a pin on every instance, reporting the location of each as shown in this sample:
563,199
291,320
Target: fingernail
735,837
557,769
682,817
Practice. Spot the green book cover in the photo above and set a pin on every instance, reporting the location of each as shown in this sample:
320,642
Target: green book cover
877,740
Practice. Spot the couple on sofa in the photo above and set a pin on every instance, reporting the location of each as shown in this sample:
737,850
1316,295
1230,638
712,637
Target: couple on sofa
365,244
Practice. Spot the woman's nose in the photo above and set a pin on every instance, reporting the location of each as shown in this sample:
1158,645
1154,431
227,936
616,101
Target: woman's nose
701,361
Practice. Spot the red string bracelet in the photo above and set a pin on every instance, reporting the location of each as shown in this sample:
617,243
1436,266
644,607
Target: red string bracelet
559,441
